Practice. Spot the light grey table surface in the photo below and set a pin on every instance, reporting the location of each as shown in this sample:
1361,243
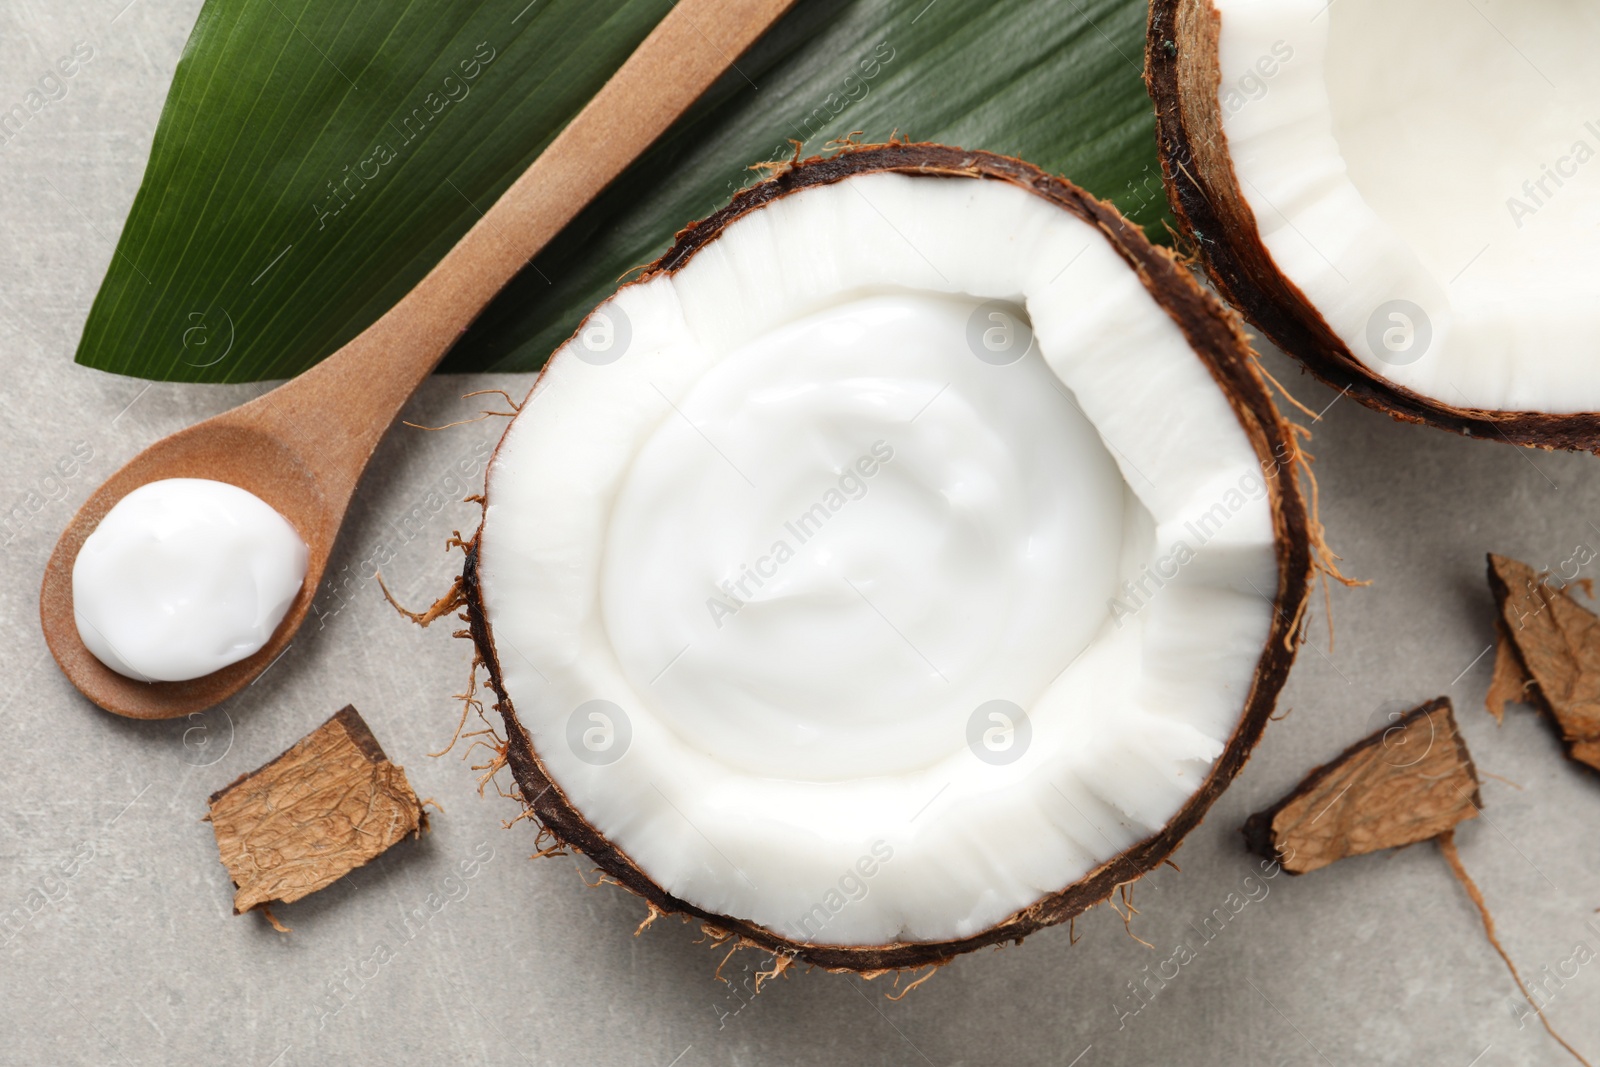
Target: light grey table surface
135,958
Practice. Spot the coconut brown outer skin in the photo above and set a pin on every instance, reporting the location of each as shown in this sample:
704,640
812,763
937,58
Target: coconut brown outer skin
1213,332
1388,825
1184,79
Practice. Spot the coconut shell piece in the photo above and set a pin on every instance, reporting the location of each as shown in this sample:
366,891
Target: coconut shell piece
1405,783
1549,655
328,805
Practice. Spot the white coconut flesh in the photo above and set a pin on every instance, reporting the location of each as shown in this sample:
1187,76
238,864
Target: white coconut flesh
821,618
1436,156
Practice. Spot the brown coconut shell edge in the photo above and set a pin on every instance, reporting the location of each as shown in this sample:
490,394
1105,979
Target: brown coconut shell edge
1184,80
1214,334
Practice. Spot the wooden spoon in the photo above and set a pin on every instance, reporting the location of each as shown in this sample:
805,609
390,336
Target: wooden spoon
303,446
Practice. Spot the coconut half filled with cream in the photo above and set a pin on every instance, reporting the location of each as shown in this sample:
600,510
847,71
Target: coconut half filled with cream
907,558
1405,197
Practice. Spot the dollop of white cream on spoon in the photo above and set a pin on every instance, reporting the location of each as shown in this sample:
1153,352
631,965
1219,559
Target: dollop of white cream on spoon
183,577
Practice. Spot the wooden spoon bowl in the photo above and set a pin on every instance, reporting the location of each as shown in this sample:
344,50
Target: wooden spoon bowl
227,452
302,447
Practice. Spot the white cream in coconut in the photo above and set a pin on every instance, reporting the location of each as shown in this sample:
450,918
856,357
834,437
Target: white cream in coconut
833,476
1424,156
821,753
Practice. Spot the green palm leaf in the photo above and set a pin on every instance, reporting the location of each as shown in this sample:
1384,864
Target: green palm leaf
313,160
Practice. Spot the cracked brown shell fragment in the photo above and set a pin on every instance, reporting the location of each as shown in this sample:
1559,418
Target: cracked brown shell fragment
1185,81
328,805
1212,333
1548,655
1408,782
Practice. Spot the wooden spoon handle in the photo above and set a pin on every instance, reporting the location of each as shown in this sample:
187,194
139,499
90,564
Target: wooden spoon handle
338,410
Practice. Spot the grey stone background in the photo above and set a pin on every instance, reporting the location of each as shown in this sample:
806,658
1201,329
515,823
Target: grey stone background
134,957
